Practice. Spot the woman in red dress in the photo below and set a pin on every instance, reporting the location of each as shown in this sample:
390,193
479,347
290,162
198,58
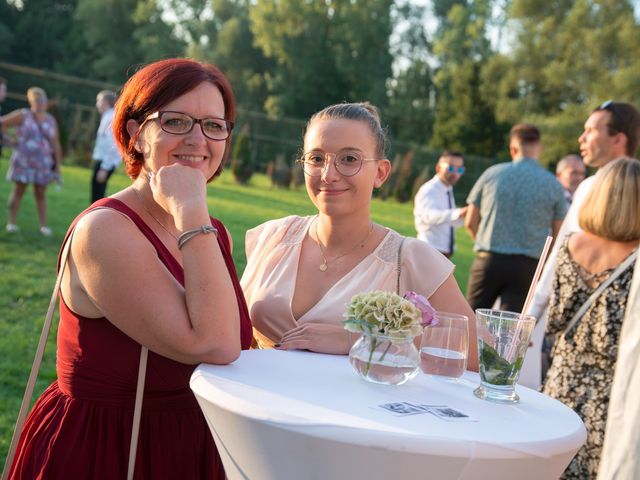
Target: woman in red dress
128,283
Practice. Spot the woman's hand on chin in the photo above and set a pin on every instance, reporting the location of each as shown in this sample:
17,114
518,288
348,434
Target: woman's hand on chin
317,337
179,190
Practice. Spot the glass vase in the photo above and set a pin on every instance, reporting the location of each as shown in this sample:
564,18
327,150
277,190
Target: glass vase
378,359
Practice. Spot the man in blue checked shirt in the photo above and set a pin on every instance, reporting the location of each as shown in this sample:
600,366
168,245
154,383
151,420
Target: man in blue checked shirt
512,208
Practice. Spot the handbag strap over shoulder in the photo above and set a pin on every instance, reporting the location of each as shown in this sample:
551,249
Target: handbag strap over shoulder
35,368
399,266
585,306
137,411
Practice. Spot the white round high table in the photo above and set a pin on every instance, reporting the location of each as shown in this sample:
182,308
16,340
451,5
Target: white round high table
298,415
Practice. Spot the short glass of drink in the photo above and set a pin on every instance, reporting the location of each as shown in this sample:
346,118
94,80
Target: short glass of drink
503,339
444,346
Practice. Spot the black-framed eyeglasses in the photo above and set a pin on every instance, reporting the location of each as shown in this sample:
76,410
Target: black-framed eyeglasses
610,106
180,123
347,163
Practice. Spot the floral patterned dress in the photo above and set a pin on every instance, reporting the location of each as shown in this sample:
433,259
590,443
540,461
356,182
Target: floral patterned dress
32,158
584,359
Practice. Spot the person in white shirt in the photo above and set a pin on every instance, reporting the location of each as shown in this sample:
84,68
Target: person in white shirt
434,211
611,131
106,156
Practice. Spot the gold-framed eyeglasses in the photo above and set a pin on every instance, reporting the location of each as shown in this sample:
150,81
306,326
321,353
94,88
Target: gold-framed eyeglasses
180,123
347,163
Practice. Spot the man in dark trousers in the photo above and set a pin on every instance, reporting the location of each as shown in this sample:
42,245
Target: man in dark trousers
512,208
105,153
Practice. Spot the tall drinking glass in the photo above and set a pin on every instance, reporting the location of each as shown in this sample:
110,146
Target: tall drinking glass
503,339
444,345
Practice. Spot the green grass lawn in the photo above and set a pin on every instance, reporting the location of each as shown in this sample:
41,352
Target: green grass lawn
28,260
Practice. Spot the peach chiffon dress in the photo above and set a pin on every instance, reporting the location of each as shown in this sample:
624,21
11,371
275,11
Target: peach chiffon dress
273,252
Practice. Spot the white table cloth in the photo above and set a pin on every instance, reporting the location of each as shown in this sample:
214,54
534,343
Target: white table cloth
300,415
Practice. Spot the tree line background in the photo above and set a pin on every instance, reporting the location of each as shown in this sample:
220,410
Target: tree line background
452,74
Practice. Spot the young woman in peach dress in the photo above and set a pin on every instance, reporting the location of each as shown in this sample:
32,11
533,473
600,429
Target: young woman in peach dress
302,271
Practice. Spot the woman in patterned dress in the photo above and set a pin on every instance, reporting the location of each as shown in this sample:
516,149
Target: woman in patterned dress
36,157
584,357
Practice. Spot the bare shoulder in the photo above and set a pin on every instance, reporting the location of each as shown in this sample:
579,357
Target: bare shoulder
583,242
13,119
577,240
105,231
596,253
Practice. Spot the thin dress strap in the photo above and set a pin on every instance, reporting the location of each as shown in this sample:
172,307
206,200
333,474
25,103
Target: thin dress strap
163,253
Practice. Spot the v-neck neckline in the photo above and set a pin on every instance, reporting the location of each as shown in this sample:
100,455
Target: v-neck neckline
304,232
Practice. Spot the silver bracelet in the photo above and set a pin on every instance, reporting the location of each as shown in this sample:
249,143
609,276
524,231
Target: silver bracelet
189,234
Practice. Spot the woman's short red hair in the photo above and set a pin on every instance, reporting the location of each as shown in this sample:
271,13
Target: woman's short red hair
153,87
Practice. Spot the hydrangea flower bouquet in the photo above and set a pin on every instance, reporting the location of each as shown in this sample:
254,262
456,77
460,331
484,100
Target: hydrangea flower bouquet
388,323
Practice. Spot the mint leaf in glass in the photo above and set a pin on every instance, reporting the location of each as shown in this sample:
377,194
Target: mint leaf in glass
496,370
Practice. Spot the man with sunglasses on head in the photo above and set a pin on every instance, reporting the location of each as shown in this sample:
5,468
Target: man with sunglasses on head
434,211
611,131
512,208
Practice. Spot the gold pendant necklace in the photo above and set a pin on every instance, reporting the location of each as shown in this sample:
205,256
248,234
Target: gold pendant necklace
324,266
151,214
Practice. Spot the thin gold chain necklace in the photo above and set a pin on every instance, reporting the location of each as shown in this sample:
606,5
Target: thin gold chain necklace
151,214
325,263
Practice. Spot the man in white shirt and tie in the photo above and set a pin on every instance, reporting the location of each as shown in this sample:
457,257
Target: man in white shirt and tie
434,211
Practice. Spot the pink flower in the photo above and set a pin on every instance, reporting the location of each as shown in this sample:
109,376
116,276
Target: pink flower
422,304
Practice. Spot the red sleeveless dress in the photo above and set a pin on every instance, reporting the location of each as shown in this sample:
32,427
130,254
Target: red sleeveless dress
80,428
